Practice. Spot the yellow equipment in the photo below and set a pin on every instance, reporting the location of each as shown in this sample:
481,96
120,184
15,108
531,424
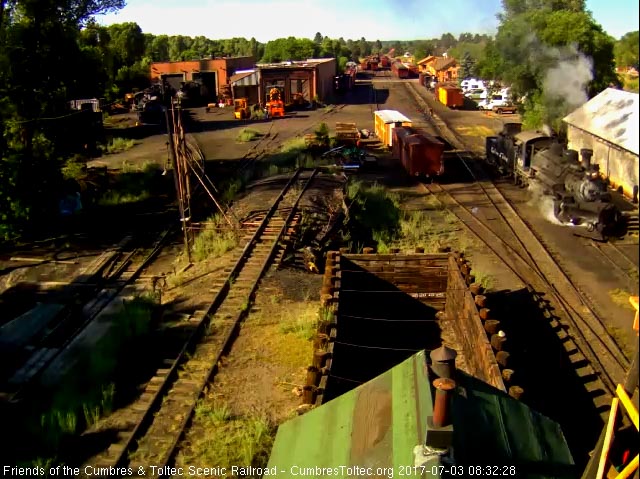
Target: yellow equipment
241,109
275,104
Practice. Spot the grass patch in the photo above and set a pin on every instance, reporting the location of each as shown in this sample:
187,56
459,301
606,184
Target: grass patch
116,198
301,321
132,185
118,145
621,298
214,240
288,153
248,134
230,440
483,279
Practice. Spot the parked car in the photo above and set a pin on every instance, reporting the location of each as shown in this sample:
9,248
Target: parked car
476,94
495,102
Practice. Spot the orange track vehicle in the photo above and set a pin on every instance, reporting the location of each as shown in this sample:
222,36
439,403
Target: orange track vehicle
275,106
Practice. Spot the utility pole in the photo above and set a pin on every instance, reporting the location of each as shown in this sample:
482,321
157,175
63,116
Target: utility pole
177,182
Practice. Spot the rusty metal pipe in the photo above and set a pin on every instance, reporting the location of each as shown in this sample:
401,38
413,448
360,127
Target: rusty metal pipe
442,404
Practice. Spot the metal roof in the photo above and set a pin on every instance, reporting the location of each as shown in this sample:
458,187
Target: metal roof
492,428
375,425
245,78
611,115
379,424
391,116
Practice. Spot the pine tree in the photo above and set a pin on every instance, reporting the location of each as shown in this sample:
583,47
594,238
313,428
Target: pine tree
468,66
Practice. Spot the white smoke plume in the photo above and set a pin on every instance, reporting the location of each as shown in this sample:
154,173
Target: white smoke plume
569,77
543,202
565,71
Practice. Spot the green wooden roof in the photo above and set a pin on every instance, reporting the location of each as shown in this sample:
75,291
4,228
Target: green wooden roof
378,425
375,425
490,427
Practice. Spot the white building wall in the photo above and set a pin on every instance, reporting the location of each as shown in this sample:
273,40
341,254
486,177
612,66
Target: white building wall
621,167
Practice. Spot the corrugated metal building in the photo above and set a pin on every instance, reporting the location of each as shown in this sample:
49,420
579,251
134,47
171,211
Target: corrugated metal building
245,84
211,72
309,78
383,424
608,124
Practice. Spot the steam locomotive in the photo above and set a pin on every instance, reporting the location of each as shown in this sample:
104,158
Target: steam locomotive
537,159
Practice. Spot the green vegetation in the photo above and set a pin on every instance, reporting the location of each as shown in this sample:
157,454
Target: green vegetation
214,240
118,145
230,439
630,83
88,390
627,50
288,153
484,279
374,214
133,185
248,134
539,46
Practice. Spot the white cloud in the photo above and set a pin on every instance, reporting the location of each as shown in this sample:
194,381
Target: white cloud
384,20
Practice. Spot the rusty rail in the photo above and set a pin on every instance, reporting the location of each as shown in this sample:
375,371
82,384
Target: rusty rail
165,409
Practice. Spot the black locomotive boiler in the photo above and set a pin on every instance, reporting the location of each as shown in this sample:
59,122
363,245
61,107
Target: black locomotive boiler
537,159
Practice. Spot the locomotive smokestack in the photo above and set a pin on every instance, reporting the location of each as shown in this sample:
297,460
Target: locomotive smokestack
586,154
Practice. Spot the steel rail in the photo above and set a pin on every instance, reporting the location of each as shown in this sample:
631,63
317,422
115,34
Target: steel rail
117,288
200,340
607,342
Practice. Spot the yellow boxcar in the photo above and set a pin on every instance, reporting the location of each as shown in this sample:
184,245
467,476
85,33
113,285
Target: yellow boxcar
386,121
450,96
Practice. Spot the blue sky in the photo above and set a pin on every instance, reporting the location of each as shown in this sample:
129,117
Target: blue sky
372,19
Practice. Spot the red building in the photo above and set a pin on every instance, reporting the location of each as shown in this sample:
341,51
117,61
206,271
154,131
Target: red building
212,73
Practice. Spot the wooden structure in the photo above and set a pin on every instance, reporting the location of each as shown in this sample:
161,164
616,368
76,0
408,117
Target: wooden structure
399,304
391,422
384,123
443,68
303,79
211,73
419,152
346,133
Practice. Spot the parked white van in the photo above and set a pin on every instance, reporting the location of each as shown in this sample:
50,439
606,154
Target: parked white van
495,101
472,84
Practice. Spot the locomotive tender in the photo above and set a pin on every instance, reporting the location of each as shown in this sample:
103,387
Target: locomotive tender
538,160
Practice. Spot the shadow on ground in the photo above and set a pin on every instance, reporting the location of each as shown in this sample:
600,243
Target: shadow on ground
543,369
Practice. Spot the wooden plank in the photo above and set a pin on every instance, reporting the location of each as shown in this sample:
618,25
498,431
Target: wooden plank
19,331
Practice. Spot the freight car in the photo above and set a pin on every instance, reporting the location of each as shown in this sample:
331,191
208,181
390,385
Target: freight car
537,159
400,70
450,96
419,153
385,121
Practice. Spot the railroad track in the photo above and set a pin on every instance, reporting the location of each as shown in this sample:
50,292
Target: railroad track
130,258
512,239
153,426
620,261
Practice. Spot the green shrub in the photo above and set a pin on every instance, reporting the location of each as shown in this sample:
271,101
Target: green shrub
118,145
214,240
248,134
